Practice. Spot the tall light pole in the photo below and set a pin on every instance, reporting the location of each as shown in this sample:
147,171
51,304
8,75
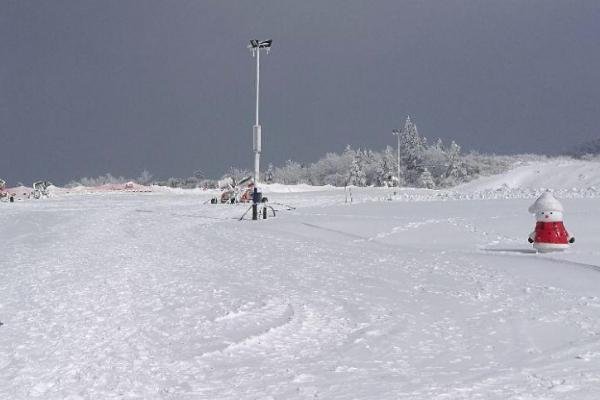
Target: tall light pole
396,132
256,46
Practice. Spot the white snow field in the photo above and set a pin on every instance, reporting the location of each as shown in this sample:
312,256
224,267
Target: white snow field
417,295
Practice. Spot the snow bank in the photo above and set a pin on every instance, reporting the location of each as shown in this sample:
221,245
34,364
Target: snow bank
565,177
555,174
281,188
111,187
19,192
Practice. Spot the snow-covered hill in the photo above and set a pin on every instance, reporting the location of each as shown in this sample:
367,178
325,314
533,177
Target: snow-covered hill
160,296
558,174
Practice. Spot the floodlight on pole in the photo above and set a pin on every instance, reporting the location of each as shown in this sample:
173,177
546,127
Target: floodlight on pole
256,46
396,132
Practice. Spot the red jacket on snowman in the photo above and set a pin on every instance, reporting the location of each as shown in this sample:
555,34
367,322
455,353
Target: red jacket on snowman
550,233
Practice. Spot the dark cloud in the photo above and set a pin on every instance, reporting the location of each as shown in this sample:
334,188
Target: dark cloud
89,87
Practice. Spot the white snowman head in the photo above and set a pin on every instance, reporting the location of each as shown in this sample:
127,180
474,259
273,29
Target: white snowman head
547,208
549,216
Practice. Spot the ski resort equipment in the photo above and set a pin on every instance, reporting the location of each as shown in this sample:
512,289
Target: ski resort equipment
550,233
348,193
255,199
258,201
397,133
240,192
256,46
226,183
40,188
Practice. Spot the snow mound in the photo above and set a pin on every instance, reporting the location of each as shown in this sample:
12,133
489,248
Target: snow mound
557,174
281,188
19,192
111,187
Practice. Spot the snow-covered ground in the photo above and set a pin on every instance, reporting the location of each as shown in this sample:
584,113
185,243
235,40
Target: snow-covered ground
412,294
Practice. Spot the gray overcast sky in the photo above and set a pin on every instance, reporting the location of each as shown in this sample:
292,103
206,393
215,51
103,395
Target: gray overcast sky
89,87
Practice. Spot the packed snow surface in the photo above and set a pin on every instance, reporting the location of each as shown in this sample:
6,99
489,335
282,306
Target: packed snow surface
160,296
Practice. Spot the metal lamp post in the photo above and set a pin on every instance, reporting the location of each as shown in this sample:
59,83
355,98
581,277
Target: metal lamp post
396,132
256,46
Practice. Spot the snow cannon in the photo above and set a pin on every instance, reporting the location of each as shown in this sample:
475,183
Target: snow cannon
247,181
40,189
226,183
245,189
234,192
550,233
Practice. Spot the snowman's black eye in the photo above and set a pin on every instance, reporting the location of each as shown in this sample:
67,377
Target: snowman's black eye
551,212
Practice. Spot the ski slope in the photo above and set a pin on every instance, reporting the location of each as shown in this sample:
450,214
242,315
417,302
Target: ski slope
558,174
406,294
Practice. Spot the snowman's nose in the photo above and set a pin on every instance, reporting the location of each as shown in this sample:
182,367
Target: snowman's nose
546,216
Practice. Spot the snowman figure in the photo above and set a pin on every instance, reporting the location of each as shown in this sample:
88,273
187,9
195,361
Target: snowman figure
550,233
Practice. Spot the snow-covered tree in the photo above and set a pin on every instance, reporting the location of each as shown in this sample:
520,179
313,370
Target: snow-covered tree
237,173
291,173
348,155
389,168
357,174
145,178
97,181
434,158
424,165
412,145
333,169
586,150
426,179
456,169
370,161
174,182
269,174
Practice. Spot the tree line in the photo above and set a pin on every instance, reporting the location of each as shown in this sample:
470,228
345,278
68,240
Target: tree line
416,162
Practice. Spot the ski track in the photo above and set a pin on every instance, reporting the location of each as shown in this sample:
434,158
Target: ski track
159,297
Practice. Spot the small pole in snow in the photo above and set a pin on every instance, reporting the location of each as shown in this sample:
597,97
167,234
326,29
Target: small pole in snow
255,204
396,132
348,192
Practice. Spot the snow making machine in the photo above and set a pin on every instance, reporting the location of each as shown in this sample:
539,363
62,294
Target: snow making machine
246,191
234,192
40,189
